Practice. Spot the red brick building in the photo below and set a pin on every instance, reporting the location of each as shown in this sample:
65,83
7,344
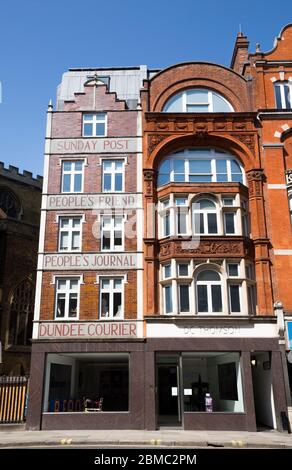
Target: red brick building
181,324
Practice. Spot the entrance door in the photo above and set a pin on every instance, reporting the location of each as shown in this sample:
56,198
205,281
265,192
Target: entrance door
168,395
263,390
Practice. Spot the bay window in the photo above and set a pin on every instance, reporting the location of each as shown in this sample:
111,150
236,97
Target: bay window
200,166
209,291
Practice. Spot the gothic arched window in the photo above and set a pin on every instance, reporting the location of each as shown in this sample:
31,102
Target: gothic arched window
9,203
21,314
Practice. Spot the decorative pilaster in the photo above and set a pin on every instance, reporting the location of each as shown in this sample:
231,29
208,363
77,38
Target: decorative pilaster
150,249
255,180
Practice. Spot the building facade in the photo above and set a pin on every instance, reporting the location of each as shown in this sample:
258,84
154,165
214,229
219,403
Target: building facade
20,201
164,259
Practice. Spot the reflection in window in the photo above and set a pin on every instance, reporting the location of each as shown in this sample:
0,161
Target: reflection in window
199,166
197,100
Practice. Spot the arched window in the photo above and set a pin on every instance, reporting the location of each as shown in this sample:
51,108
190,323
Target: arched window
283,94
197,100
9,203
205,217
209,295
199,166
21,314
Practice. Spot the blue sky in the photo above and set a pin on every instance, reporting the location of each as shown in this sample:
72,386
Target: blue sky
42,39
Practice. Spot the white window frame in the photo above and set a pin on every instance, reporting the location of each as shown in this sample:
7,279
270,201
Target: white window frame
165,286
93,122
234,212
70,229
213,156
179,284
239,284
111,291
181,209
209,102
242,279
209,285
113,172
72,173
281,86
205,213
67,291
112,231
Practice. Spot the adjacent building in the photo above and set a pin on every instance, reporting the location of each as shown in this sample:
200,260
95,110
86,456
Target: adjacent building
165,249
20,201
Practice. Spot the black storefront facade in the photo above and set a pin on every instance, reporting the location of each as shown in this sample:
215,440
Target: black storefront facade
241,374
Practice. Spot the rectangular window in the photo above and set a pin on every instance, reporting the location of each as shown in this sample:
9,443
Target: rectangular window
67,298
216,298
233,269
113,175
234,295
184,298
166,224
72,176
199,222
214,373
69,233
167,271
111,298
181,221
283,95
229,223
168,298
202,299
178,170
82,382
251,297
94,125
200,171
228,201
112,233
212,223
183,269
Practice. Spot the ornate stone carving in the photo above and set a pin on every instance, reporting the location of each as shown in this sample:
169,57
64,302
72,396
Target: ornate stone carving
154,140
248,140
150,180
255,179
204,248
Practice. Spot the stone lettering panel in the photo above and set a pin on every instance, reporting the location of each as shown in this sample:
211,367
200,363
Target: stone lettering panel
107,145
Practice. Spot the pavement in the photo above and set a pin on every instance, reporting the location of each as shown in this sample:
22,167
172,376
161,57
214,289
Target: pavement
20,438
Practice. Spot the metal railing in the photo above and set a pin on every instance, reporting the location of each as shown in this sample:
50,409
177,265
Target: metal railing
13,394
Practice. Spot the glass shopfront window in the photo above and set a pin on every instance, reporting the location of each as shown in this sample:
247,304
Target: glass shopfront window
217,374
94,382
